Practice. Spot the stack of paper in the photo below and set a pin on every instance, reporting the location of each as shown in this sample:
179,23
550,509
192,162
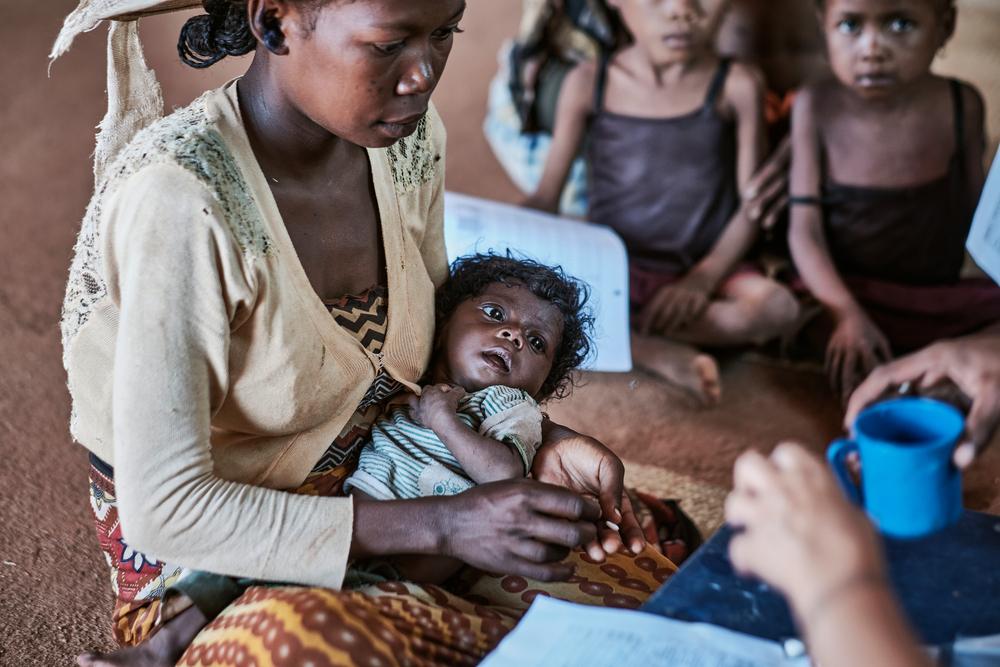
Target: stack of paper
560,634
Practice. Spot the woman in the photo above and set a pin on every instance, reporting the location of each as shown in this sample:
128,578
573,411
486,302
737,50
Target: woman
254,277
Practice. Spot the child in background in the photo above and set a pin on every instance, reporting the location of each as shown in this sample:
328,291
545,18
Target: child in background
886,171
673,135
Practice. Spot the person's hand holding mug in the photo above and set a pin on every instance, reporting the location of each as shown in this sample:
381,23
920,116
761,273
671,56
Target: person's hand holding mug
800,535
972,364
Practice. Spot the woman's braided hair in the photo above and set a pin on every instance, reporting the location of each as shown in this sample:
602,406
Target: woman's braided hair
223,30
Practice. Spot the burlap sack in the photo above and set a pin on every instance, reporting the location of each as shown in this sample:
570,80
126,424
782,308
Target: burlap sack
134,96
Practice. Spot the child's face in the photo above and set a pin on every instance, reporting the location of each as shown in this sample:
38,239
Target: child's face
505,336
879,46
366,70
671,31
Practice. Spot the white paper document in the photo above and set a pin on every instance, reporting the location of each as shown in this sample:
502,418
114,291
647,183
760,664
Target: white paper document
591,253
554,633
984,237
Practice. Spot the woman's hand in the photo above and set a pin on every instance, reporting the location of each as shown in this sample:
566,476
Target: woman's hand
799,532
675,306
582,464
520,527
856,347
971,363
436,402
802,536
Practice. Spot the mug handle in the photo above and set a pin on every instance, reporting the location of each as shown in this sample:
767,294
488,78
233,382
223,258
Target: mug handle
836,455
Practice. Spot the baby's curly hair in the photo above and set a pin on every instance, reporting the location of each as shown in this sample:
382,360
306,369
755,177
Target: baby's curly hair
472,274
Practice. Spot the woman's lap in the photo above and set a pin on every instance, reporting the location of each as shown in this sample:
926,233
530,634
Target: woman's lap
405,623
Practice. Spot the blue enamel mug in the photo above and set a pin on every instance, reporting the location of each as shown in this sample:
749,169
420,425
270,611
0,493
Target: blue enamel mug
909,486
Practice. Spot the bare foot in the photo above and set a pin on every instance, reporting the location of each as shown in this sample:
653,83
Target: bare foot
684,367
163,649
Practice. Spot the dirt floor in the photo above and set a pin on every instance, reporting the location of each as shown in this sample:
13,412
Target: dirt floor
54,592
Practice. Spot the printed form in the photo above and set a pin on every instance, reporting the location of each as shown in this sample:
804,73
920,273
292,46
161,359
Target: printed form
555,633
983,243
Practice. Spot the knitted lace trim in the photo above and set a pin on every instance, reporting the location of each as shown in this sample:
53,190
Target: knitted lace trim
413,160
186,138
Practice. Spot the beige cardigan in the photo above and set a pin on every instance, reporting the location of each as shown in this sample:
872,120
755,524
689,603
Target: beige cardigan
202,364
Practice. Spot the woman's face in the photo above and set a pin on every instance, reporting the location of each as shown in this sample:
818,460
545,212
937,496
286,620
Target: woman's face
365,70
877,46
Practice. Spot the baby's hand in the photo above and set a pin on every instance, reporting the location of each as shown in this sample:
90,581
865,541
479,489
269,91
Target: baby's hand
437,402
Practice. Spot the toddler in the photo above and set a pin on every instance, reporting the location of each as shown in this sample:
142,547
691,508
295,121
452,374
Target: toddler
673,133
886,170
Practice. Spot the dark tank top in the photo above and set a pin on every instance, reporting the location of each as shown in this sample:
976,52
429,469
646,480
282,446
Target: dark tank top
914,235
666,185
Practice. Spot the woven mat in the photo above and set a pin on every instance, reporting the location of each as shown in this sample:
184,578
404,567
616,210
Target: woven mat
703,502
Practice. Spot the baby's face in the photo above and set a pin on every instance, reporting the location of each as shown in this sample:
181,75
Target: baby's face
671,31
877,47
505,336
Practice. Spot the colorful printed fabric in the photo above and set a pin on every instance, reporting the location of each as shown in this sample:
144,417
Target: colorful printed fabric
403,459
397,623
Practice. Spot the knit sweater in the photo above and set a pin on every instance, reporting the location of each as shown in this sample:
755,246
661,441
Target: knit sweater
202,364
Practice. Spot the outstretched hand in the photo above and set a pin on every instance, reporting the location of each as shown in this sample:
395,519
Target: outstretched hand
584,465
971,363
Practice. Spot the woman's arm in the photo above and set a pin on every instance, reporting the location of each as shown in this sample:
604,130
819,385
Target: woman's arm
181,283
574,106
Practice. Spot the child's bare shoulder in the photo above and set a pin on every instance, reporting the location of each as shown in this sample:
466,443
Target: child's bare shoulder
577,89
744,86
817,98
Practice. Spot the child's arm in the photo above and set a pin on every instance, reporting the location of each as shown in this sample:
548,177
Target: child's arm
855,340
575,101
678,304
483,459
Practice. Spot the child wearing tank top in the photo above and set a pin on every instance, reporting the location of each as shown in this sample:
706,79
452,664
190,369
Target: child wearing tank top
671,134
887,167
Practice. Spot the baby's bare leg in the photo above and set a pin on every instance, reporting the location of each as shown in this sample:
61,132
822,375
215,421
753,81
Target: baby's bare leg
162,649
684,367
749,309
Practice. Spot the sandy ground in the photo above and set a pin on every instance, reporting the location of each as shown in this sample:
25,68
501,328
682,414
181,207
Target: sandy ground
54,592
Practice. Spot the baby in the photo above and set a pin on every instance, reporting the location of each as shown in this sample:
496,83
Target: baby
887,166
510,333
